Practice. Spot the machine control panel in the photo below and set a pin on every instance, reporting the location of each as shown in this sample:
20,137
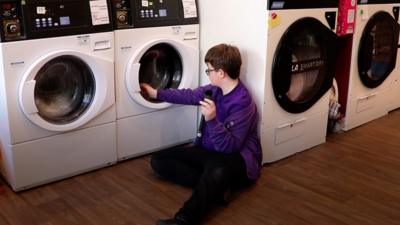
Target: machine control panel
147,13
53,15
155,9
10,18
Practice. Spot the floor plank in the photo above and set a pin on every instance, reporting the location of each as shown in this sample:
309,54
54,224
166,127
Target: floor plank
352,179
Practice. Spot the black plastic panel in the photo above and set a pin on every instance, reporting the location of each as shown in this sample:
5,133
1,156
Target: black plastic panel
51,18
302,4
364,2
150,13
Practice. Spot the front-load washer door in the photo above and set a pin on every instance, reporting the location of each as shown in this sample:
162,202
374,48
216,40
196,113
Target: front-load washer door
163,64
65,89
303,65
377,51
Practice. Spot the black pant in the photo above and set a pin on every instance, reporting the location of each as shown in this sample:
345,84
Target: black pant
209,173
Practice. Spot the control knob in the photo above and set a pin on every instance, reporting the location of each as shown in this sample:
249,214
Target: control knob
122,18
12,28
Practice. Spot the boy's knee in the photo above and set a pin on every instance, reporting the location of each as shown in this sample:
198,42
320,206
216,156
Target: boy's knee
218,174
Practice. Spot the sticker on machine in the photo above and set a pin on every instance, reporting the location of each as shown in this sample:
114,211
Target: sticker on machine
99,11
189,8
274,20
41,10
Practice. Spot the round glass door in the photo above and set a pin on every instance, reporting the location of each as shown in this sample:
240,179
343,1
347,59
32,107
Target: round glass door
64,89
161,67
378,49
302,69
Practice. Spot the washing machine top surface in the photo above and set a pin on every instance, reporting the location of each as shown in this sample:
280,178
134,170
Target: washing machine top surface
153,13
22,20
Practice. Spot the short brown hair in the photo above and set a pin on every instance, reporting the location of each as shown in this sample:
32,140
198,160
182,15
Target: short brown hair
226,57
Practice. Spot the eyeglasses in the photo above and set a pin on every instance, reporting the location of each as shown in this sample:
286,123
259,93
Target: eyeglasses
208,71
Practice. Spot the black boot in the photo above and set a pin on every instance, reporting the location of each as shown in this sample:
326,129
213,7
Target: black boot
225,198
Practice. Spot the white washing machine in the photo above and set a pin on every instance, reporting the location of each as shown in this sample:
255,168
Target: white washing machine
158,44
395,87
57,105
288,51
373,60
395,75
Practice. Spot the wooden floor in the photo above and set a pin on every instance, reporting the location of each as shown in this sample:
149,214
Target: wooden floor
354,179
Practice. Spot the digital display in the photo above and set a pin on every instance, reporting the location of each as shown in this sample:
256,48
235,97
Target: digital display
162,12
64,20
277,5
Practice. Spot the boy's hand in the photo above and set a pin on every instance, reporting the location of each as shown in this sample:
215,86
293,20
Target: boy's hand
148,90
208,109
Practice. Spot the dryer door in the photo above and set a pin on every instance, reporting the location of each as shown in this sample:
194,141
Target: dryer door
378,49
303,64
163,64
65,89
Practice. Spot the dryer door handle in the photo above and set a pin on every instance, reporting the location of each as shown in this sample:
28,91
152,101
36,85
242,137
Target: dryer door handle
102,45
368,96
292,124
189,38
27,97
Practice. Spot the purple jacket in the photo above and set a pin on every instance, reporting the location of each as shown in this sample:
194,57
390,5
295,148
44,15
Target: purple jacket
235,127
